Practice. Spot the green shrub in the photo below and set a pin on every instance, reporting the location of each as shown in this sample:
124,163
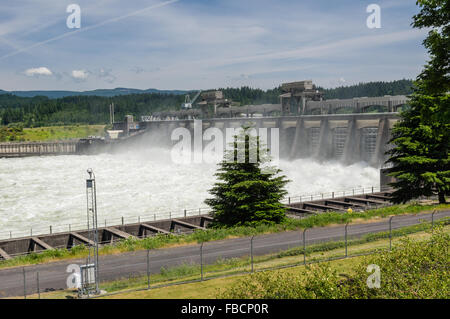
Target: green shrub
413,269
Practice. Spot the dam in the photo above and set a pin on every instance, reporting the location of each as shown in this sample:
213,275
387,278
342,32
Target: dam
345,130
349,138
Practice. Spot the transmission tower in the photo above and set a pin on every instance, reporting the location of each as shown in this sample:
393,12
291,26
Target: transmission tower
89,272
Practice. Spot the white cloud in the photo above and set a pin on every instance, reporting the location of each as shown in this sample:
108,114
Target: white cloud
38,71
106,75
80,74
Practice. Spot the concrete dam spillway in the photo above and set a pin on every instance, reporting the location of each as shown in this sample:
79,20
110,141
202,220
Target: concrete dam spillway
349,138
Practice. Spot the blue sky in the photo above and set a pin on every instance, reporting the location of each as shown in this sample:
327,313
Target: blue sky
201,44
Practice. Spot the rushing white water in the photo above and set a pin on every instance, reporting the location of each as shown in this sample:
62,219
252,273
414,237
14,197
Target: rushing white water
42,191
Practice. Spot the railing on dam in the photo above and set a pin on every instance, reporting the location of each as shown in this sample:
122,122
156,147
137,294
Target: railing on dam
37,148
335,106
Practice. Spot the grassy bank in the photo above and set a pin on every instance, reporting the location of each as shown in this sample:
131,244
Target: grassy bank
62,132
51,133
165,241
234,267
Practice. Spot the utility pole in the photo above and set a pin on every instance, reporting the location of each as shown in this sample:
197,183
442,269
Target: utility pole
111,113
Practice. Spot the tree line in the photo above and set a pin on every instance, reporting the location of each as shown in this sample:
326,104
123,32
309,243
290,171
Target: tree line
43,111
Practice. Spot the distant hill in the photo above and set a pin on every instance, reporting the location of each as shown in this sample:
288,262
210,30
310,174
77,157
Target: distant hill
371,89
99,92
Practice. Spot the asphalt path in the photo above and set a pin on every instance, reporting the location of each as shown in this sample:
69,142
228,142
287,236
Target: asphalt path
54,275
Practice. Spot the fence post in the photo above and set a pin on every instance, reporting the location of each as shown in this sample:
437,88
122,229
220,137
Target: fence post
148,268
289,201
24,285
432,226
332,195
201,261
372,189
304,246
37,282
251,251
390,233
50,229
346,251
432,222
122,221
185,214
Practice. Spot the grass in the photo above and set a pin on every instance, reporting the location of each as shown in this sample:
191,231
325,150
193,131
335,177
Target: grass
53,133
234,267
166,241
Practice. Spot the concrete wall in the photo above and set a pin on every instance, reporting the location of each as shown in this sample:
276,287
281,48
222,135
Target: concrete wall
347,137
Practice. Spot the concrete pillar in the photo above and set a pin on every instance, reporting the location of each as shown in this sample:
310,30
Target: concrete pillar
303,109
382,139
350,142
390,107
325,140
299,145
285,142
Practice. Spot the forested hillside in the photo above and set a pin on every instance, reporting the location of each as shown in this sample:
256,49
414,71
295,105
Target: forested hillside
401,87
43,111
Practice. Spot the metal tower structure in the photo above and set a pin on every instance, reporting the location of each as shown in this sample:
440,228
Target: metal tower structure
89,272
188,103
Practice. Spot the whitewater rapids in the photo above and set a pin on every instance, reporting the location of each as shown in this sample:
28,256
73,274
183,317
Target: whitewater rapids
39,191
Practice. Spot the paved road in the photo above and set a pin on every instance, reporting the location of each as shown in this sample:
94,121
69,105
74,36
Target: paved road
54,275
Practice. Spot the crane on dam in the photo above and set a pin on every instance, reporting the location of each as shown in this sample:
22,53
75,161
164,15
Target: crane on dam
188,103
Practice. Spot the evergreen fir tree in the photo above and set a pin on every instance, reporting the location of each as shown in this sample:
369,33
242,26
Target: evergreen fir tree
421,139
248,191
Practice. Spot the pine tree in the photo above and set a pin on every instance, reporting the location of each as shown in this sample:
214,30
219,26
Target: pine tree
421,139
248,191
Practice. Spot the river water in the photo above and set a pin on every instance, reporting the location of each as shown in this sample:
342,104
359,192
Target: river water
40,191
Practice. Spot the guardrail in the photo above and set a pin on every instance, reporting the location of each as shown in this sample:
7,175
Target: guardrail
330,195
